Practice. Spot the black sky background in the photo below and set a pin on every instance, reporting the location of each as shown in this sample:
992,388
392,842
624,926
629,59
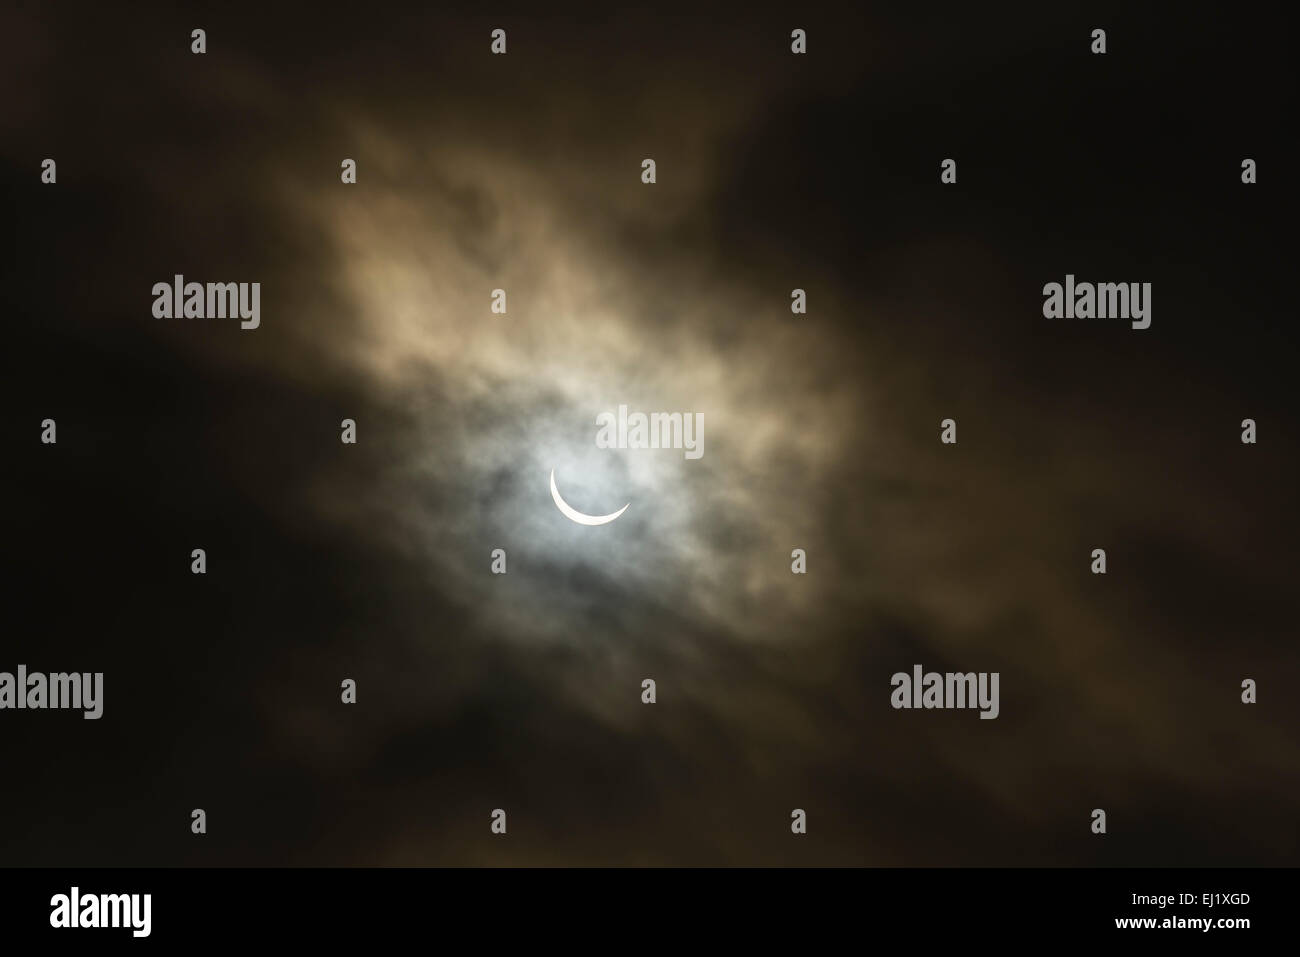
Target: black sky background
221,691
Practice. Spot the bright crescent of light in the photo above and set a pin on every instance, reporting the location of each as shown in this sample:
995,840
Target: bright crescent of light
573,515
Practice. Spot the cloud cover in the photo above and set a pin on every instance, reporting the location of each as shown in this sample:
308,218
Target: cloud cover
522,691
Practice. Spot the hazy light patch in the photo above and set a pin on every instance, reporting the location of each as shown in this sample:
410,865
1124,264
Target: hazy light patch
517,395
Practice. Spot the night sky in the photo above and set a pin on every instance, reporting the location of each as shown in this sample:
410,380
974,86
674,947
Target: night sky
522,691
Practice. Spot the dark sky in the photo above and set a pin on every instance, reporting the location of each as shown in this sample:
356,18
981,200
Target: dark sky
372,562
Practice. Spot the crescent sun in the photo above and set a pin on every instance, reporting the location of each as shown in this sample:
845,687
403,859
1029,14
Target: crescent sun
573,515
